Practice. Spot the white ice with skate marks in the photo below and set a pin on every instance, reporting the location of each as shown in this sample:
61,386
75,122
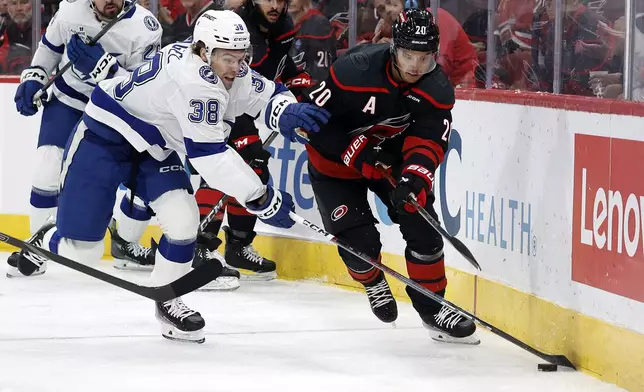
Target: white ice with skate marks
66,332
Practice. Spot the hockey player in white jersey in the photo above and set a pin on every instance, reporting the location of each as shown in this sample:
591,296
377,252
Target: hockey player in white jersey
183,101
129,43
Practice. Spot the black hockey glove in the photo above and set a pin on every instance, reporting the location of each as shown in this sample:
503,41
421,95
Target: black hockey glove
256,157
417,180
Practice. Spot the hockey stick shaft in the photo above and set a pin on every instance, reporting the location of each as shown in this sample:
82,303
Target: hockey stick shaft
456,243
554,359
93,41
193,280
211,215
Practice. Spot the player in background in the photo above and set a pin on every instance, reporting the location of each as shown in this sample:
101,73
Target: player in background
271,35
133,216
129,43
314,49
390,107
184,101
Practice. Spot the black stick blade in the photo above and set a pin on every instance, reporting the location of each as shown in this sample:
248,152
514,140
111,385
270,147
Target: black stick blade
464,251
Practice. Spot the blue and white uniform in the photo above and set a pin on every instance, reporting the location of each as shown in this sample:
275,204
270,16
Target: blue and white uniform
133,130
132,41
173,104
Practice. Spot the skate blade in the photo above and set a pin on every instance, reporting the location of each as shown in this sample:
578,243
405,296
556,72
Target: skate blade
442,336
222,283
250,276
13,272
127,265
170,332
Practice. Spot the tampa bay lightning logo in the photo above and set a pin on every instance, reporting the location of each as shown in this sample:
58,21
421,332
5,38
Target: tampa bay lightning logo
151,23
208,74
243,70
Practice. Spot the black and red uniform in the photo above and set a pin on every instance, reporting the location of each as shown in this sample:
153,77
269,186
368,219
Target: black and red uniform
270,44
314,48
375,119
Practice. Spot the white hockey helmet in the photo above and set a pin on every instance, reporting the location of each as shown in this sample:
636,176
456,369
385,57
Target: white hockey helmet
221,29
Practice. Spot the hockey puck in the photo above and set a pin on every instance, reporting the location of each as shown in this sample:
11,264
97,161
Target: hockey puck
547,367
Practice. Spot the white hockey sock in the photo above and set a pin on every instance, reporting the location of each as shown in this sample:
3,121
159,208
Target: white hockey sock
82,251
45,185
131,220
166,271
38,217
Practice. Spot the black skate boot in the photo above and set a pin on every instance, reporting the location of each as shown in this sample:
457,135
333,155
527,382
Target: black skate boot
129,255
27,263
206,251
382,302
179,322
241,255
12,268
449,326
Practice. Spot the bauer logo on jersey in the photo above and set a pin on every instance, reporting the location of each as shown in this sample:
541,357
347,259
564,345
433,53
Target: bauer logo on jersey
208,74
151,23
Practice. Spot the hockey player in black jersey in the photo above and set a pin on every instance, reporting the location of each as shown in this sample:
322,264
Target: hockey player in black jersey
390,107
314,48
271,34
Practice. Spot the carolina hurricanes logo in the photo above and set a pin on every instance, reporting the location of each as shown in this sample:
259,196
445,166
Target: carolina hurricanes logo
339,212
386,129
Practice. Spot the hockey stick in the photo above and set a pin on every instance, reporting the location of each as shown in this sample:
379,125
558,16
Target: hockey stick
456,243
211,215
93,41
193,280
554,359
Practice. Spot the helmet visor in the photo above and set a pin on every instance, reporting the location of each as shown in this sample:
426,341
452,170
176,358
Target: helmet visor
414,62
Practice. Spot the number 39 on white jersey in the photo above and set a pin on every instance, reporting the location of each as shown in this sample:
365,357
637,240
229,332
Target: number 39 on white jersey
177,103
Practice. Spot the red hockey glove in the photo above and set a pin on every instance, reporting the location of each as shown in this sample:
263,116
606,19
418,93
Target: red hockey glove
298,83
250,149
361,156
302,80
417,180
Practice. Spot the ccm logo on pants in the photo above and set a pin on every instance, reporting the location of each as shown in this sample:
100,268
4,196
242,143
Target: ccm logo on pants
171,168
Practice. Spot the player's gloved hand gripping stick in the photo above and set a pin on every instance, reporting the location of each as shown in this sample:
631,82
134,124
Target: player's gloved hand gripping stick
211,215
93,41
415,205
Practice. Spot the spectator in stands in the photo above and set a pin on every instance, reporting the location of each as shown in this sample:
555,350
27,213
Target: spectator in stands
17,38
183,25
314,47
457,55
3,8
586,46
169,11
19,27
4,42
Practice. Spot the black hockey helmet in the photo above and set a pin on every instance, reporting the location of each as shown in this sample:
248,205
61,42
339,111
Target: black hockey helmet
415,29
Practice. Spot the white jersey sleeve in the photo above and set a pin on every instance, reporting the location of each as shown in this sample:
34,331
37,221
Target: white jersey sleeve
145,45
257,96
200,106
52,45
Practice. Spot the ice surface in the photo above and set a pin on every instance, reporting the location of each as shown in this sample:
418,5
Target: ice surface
64,331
